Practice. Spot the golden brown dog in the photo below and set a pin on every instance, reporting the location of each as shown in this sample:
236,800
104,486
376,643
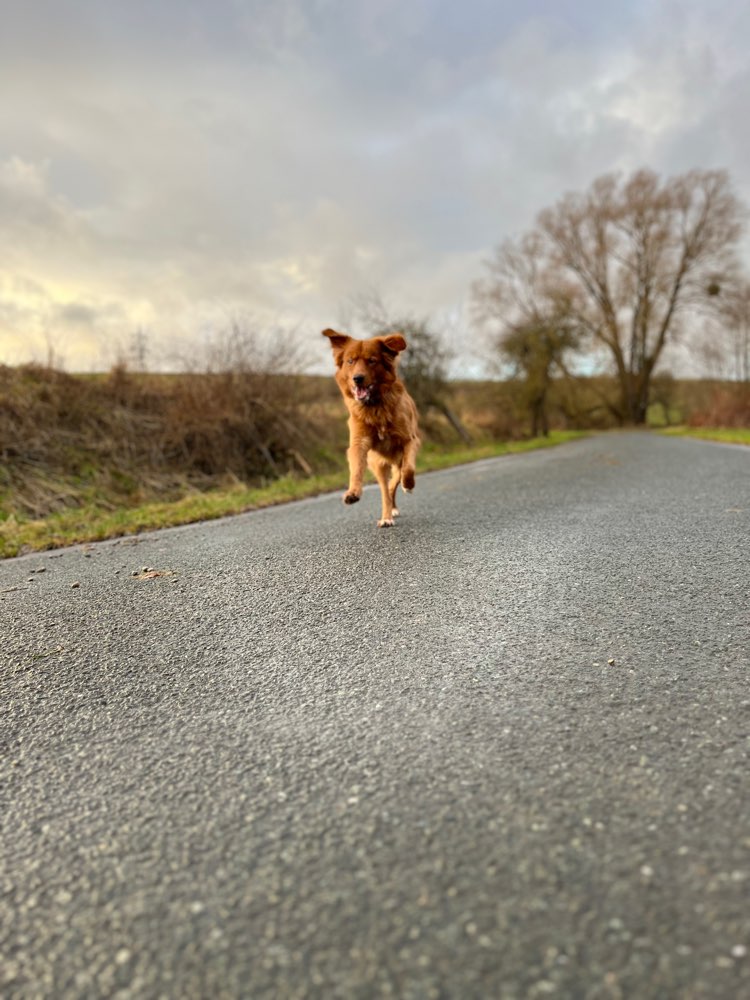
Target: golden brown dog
383,420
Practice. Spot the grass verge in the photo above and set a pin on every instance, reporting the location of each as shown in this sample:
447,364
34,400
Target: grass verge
92,523
728,435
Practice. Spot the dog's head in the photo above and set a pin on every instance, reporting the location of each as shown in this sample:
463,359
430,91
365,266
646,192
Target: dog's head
365,368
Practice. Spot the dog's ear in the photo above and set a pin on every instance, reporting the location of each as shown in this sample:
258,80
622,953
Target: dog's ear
394,343
338,343
338,340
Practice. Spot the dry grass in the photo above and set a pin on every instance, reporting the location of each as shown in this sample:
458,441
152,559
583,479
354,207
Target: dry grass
125,439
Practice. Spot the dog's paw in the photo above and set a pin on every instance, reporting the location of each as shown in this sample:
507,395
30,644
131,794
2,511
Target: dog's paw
386,522
407,481
351,498
395,512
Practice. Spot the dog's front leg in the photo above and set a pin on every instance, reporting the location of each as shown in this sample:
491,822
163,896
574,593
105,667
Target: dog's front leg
408,464
357,457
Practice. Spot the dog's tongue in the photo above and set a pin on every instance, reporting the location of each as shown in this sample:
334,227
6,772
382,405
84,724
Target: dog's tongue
360,392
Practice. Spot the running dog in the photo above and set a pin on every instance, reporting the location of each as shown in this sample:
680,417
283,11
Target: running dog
383,419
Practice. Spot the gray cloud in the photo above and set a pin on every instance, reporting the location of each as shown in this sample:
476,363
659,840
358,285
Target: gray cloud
165,165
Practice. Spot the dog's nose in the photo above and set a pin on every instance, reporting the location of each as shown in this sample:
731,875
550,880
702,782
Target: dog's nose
358,379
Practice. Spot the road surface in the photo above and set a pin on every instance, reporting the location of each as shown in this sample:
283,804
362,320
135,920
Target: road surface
500,750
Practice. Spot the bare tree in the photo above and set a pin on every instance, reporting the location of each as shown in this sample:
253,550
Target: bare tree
634,257
424,364
640,253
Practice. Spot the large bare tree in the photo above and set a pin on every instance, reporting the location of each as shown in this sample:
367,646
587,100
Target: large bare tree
632,258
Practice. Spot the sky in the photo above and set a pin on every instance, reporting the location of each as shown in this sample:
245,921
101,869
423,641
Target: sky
174,166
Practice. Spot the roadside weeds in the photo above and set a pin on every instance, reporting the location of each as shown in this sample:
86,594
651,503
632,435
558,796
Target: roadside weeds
91,523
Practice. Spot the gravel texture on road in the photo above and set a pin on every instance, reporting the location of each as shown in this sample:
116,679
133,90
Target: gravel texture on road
498,751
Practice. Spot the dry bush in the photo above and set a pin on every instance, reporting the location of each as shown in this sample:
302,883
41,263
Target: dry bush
240,410
491,410
126,438
727,406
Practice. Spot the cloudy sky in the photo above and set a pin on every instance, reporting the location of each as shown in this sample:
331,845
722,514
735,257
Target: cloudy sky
170,165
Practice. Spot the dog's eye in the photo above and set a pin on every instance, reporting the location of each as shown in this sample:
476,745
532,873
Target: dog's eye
350,361
371,361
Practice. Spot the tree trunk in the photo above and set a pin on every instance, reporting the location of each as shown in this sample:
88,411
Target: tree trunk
452,419
635,389
539,417
534,419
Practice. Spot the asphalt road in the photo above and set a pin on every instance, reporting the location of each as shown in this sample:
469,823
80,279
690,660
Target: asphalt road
499,751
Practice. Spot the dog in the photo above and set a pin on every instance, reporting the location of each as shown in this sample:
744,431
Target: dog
383,418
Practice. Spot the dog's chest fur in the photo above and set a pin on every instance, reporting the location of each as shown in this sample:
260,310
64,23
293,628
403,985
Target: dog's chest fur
379,421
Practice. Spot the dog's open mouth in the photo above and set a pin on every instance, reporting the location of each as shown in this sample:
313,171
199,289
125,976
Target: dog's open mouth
361,393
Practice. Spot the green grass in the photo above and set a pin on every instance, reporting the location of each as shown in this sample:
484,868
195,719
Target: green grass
660,416
432,457
729,435
92,522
